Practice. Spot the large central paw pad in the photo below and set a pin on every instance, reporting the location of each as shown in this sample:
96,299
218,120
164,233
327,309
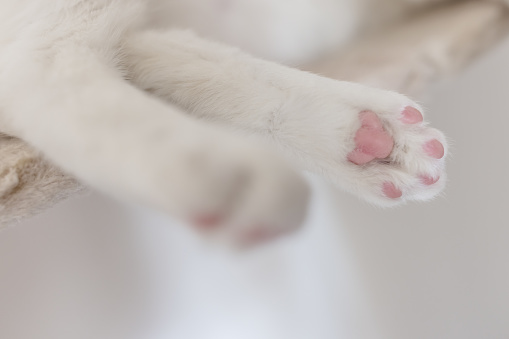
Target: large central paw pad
399,155
372,141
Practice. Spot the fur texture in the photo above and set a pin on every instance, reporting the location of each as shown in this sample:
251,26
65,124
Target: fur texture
115,92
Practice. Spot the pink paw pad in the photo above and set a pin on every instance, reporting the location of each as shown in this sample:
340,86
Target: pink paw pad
391,191
411,116
208,222
259,235
434,149
371,140
428,180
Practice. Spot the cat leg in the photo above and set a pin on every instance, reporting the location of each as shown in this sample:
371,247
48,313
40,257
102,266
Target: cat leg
371,142
87,119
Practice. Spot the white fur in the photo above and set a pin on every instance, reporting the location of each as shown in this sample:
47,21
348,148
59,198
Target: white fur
66,86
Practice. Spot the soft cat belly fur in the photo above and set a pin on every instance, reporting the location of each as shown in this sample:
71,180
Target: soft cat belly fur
289,31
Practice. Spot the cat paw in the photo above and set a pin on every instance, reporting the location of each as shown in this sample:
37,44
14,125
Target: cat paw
397,157
370,142
242,195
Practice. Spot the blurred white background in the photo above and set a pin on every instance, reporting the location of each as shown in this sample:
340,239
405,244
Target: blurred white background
92,268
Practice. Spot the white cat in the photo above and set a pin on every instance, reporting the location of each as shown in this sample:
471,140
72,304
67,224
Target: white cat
116,94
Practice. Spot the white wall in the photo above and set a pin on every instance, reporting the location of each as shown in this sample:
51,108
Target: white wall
95,269
441,269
